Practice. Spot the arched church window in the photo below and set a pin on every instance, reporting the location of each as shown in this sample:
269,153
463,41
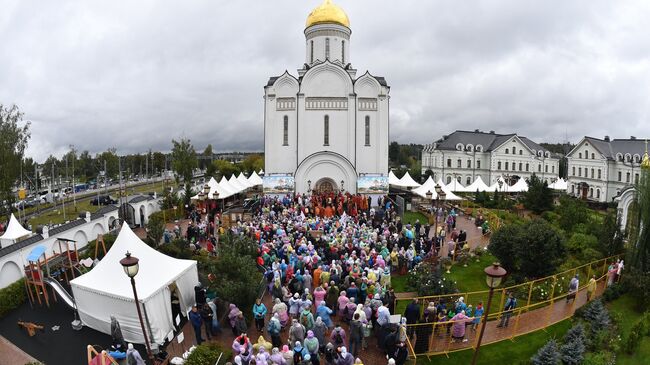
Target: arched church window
311,57
343,52
285,131
367,130
326,131
327,48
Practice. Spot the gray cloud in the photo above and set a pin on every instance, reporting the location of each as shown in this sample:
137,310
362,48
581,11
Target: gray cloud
134,75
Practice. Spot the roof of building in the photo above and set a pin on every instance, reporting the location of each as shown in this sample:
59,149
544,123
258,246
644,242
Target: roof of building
140,199
66,226
20,244
489,141
102,211
611,148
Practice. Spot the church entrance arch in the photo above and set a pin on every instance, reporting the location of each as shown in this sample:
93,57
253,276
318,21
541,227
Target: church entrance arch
328,170
326,185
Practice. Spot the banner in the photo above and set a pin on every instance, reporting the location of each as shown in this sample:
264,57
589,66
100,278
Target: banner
372,184
279,184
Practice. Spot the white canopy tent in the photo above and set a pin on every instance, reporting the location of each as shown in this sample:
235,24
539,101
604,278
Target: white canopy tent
559,184
430,185
520,186
244,180
477,185
14,231
392,179
227,186
456,186
237,184
255,179
106,290
406,181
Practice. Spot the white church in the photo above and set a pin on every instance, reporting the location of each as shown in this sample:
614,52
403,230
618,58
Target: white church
326,127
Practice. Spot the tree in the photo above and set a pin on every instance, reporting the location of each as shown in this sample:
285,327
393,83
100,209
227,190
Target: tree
112,161
639,256
538,198
532,250
207,157
237,277
13,141
159,161
155,228
252,163
574,347
572,212
547,355
597,315
393,152
226,168
610,236
184,162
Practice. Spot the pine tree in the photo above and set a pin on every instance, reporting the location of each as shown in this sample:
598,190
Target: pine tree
597,315
574,346
547,355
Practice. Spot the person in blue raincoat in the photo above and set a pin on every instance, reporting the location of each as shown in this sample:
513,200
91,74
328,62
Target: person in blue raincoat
324,313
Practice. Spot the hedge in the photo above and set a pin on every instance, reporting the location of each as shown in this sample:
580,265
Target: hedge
208,354
12,297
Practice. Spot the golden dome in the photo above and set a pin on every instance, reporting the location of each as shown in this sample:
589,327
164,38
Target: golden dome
328,13
645,163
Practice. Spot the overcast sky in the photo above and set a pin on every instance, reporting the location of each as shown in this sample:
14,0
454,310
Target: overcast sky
135,74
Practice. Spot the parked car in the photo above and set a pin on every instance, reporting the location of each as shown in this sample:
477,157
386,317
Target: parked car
102,200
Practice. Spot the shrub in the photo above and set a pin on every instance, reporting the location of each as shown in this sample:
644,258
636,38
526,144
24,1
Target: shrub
633,339
427,279
600,358
12,297
574,346
208,353
547,355
597,315
613,292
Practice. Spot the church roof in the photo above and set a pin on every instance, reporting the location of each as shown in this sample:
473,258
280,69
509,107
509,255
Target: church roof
327,13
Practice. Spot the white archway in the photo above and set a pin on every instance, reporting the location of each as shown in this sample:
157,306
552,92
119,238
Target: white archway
9,273
326,165
625,200
81,238
98,229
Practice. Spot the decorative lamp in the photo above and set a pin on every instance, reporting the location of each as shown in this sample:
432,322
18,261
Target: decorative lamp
429,195
130,265
438,189
494,275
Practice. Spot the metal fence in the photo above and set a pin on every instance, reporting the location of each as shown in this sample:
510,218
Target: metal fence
540,303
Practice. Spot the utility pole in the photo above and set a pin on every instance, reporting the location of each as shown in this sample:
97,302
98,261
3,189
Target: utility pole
105,179
74,187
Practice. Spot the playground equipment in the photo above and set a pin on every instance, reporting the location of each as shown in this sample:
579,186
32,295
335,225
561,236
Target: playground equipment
99,358
42,271
30,327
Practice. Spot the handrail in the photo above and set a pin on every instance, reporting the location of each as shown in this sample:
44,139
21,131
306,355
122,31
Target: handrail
605,260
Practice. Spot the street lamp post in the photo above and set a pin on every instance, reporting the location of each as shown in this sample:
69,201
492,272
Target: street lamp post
131,267
494,275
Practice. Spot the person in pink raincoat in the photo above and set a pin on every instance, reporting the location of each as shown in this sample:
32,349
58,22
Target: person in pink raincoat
319,295
458,327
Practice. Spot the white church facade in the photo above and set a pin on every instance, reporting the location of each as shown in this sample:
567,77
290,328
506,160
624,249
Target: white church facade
325,127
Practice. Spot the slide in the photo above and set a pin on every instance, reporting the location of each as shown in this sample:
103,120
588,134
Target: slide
67,298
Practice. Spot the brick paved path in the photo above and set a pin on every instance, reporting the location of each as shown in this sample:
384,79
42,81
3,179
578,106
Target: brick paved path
12,355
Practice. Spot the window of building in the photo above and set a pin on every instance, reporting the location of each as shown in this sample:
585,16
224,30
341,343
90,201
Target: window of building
507,151
514,150
527,166
619,176
506,165
627,177
573,189
326,131
579,171
573,171
469,164
311,52
478,164
591,192
449,162
521,152
636,178
499,165
592,173
597,193
327,48
593,157
600,173
521,165
468,181
285,131
459,163
367,130
343,52
553,169
546,168
580,155
586,154
539,168
448,179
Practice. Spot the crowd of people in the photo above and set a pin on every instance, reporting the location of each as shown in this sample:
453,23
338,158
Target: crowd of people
329,259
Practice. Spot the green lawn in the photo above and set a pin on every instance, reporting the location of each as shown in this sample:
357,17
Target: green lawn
504,352
411,217
472,277
399,283
625,305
